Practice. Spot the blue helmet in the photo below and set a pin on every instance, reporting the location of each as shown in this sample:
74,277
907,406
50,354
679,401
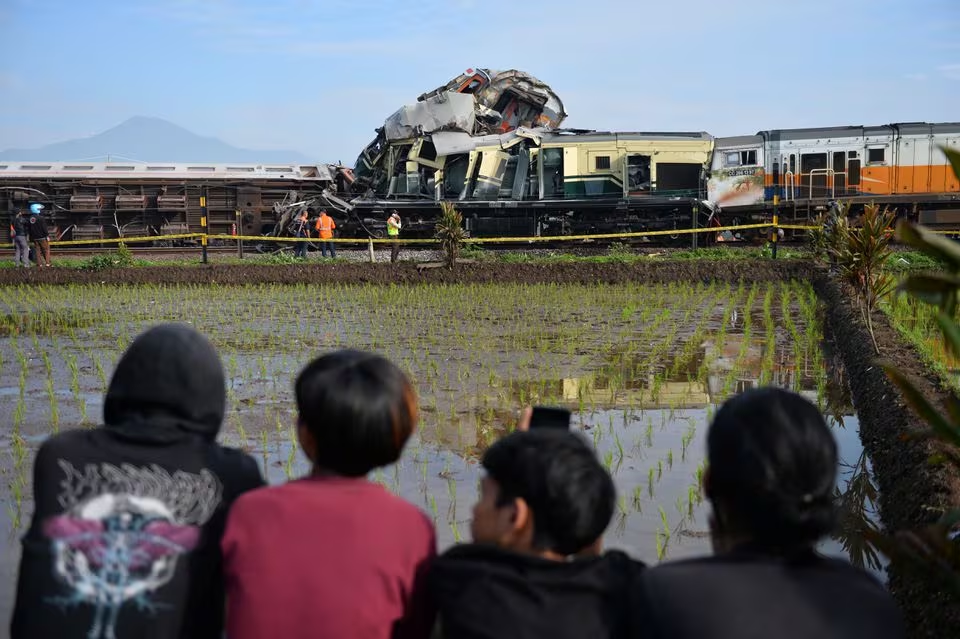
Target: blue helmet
36,208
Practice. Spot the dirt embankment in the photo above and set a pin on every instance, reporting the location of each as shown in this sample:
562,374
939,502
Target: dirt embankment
409,273
911,491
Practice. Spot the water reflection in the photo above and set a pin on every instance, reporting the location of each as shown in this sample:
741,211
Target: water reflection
858,515
647,418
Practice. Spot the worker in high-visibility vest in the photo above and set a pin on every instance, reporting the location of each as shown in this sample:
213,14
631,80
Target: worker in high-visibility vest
325,226
393,231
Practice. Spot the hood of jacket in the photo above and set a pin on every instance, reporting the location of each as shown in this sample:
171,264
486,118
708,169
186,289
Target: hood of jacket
169,383
483,591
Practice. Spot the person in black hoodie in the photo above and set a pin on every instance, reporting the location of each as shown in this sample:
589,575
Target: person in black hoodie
771,468
125,536
39,235
535,569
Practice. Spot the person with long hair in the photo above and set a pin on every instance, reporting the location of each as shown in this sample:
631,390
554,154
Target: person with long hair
770,477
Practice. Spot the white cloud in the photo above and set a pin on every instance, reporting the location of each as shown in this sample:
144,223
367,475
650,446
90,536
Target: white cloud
951,71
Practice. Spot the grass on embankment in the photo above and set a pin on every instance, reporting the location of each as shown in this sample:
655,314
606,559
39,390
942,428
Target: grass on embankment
917,323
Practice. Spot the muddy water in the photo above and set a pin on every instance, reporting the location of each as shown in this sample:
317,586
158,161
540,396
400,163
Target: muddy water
643,369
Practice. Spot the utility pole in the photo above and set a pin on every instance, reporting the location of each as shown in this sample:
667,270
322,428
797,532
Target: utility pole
203,224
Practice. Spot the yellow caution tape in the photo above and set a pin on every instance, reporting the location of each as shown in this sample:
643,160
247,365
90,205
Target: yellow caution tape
470,240
477,240
126,240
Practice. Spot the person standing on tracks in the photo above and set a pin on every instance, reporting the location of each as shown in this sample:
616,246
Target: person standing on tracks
300,228
393,231
39,235
325,226
21,247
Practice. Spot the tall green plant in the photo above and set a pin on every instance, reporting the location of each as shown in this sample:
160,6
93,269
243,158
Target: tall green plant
830,232
934,549
450,232
859,254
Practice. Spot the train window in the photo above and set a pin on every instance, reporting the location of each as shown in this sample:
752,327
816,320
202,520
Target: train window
471,85
875,156
602,162
793,163
748,158
731,159
852,155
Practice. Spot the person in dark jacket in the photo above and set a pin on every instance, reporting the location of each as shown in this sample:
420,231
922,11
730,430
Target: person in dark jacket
21,248
125,536
772,465
39,235
534,569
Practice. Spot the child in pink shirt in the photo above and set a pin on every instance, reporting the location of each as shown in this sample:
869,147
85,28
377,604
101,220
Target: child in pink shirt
334,555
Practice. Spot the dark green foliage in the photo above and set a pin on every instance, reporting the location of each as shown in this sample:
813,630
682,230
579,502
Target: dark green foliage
935,549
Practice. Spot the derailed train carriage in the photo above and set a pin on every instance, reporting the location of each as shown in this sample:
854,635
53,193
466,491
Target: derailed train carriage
540,182
492,142
163,200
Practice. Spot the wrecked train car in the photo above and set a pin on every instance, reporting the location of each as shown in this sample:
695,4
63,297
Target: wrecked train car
547,182
478,102
106,200
491,141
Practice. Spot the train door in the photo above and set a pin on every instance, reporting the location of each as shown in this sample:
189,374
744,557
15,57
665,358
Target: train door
923,161
853,171
551,173
951,183
813,173
903,165
789,168
876,173
492,168
636,179
839,173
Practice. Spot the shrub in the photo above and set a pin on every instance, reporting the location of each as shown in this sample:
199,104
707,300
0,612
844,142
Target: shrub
450,232
934,549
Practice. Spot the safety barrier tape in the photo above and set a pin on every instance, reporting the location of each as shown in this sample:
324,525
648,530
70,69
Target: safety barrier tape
478,240
116,240
126,240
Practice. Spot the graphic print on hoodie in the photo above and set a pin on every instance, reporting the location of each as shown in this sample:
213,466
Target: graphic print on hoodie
125,536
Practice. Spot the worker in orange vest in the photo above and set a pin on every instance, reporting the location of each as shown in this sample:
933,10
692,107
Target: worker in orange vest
325,226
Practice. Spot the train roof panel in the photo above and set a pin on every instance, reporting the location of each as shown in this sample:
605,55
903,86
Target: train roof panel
165,171
606,136
924,127
738,140
859,131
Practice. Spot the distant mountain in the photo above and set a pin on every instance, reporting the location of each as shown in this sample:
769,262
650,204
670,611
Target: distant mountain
151,140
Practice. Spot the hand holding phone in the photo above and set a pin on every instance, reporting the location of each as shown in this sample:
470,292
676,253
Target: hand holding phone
550,417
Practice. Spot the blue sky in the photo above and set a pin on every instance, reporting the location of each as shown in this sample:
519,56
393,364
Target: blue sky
318,76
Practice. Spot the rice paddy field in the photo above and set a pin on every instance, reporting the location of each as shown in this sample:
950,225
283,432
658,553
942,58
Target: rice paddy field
643,367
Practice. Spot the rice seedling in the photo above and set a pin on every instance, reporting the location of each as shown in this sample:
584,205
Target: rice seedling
476,352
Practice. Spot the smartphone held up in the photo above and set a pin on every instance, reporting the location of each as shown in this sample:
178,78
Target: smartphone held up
550,417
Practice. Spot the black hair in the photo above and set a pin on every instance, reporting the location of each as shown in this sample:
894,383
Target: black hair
570,494
773,467
360,408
